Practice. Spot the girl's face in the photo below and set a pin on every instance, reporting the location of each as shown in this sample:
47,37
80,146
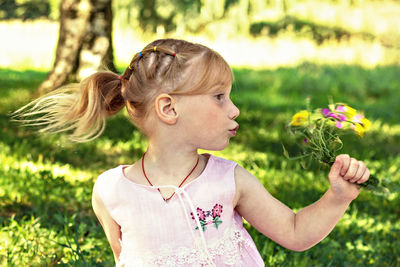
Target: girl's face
207,121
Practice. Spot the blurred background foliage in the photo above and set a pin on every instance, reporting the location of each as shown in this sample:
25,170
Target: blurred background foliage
322,19
29,9
282,51
272,33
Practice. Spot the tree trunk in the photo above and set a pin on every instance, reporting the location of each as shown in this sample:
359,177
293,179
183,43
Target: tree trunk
84,44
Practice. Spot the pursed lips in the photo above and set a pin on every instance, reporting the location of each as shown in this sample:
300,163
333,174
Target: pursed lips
234,130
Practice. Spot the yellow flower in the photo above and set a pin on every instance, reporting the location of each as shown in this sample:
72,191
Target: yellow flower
300,118
349,111
366,123
360,128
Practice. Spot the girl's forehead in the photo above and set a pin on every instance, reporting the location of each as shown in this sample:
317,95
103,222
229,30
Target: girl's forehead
220,88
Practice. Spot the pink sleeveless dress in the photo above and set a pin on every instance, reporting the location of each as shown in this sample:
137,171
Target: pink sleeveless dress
196,227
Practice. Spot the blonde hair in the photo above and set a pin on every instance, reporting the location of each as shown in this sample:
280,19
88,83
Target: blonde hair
163,66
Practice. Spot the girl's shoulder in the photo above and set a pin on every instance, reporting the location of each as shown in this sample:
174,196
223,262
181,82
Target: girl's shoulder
110,173
108,179
218,167
220,163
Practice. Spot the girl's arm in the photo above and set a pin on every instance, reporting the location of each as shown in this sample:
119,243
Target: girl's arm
110,227
311,224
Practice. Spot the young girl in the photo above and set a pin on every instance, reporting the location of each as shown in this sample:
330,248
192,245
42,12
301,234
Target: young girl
175,207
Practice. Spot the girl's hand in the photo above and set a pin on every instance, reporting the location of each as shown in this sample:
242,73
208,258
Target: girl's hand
344,176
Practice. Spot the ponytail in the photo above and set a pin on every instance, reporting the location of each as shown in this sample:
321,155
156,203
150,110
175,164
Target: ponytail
80,108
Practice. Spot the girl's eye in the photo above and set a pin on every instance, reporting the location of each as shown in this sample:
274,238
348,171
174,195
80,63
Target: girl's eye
219,96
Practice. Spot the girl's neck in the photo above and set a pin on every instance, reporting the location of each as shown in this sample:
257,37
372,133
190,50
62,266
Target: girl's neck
169,161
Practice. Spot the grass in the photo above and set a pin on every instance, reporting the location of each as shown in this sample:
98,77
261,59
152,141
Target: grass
45,182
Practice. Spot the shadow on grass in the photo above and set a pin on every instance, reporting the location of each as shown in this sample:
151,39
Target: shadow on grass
373,90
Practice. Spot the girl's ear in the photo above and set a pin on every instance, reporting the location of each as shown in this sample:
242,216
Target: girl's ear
165,109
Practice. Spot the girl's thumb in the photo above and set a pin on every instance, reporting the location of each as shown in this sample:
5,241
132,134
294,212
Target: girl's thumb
336,168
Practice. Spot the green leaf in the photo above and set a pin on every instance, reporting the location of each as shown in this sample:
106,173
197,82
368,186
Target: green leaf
285,153
303,164
217,221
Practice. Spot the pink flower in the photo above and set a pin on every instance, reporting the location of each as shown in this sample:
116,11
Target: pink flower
337,116
333,115
341,108
357,118
217,210
342,117
326,112
200,214
339,125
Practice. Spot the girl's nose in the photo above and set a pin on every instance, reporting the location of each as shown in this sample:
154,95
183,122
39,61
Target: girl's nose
234,112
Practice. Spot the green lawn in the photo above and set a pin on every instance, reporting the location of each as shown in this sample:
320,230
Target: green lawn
46,182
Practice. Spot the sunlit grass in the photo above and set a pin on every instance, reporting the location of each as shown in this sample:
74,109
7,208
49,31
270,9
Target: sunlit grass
29,45
377,17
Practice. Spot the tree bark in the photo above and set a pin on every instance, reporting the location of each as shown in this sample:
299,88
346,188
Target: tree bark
84,44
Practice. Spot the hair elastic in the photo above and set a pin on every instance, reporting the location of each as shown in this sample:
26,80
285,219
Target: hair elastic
174,54
129,66
140,53
155,48
119,77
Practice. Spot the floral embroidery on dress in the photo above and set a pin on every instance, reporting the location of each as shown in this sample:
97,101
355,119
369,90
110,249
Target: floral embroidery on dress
209,217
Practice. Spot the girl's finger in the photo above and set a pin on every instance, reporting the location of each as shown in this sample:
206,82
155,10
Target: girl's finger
365,177
360,172
351,172
345,164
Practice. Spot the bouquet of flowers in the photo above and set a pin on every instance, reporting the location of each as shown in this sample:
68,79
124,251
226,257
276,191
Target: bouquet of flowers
319,133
